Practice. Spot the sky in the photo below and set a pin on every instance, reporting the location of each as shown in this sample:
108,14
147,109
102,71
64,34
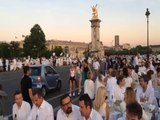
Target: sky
69,20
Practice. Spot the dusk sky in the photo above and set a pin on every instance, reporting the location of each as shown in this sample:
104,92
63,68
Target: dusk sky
69,20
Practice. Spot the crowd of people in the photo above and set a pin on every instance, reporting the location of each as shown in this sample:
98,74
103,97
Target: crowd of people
18,63
128,88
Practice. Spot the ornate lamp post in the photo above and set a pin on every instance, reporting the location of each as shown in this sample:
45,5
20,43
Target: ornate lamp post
147,15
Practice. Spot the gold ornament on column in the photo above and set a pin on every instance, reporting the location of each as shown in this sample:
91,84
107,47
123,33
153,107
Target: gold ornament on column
94,12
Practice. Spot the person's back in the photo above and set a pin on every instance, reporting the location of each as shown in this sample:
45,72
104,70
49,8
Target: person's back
89,88
26,86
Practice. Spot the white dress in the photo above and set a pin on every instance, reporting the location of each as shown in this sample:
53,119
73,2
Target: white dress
102,111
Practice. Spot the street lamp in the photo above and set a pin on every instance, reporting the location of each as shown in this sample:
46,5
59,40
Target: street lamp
76,53
147,15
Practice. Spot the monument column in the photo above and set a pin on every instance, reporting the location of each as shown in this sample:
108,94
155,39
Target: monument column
95,31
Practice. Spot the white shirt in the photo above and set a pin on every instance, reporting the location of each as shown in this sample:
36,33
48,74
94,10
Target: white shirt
97,85
149,93
44,112
89,88
74,115
102,110
122,118
118,93
96,65
111,83
22,112
94,115
128,82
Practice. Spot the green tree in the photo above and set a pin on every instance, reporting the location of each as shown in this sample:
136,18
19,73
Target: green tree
14,49
58,50
34,44
4,50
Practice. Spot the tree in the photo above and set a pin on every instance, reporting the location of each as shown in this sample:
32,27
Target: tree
14,49
34,44
58,50
4,50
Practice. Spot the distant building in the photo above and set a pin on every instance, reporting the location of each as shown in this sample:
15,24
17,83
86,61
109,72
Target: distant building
73,49
116,40
155,48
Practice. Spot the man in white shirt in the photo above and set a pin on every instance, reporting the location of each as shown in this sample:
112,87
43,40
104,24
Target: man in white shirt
144,92
133,112
110,83
145,96
96,67
134,76
89,86
87,112
118,92
68,111
20,109
41,109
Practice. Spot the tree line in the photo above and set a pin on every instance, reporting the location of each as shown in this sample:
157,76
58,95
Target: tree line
34,46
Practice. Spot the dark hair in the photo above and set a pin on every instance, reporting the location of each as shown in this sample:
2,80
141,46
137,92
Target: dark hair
87,100
25,69
113,73
119,79
38,91
158,69
125,72
1,88
17,92
130,67
134,109
149,73
145,78
63,97
88,74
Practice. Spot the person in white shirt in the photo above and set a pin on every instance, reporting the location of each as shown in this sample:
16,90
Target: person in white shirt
110,83
136,60
41,109
134,76
89,87
20,109
96,67
133,112
144,92
118,92
87,112
68,111
145,96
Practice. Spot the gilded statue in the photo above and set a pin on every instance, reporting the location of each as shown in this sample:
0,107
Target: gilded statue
94,12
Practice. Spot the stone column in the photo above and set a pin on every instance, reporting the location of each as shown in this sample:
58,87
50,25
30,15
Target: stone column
95,36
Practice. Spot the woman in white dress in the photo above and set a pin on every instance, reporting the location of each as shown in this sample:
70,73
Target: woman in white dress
100,103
